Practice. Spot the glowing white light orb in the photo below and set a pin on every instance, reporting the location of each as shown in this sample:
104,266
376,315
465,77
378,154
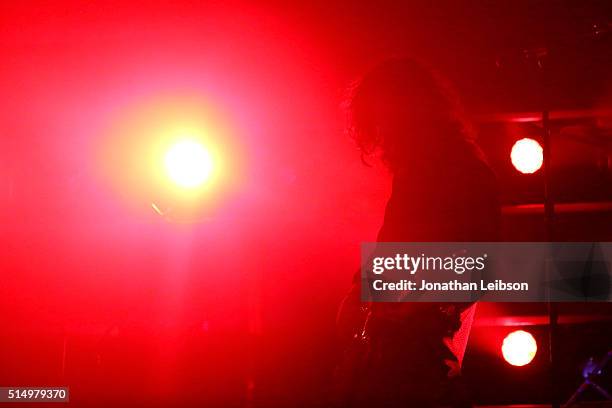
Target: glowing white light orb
188,164
519,348
527,156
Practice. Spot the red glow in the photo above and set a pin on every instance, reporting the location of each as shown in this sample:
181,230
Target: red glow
519,348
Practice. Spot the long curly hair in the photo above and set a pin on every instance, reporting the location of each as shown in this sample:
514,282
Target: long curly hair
404,106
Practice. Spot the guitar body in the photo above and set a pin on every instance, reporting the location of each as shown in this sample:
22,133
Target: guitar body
397,354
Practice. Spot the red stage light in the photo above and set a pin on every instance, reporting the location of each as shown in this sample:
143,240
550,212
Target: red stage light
188,164
527,155
519,348
176,154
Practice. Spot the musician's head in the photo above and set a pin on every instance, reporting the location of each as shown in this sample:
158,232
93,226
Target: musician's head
403,108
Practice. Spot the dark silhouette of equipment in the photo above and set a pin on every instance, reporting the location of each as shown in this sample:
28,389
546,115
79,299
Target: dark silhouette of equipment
592,371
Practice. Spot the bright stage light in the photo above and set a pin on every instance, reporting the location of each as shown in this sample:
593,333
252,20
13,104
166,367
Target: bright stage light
188,164
527,156
175,154
519,348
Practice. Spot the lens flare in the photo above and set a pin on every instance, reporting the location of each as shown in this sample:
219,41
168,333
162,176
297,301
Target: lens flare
519,348
188,164
177,155
527,156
